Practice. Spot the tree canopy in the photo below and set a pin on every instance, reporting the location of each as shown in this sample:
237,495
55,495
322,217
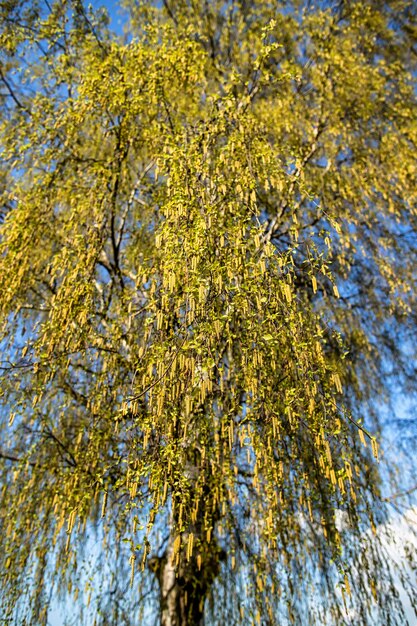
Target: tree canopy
207,269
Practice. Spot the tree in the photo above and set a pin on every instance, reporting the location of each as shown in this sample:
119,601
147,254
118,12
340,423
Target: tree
207,263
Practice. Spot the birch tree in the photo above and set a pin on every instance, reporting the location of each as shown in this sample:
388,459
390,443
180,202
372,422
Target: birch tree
207,269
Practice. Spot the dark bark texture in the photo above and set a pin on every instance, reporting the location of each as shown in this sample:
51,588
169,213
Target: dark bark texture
184,589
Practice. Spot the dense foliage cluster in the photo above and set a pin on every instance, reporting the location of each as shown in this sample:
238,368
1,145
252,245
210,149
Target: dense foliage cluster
206,263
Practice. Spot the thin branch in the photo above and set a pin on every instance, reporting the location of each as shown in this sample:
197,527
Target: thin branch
401,494
16,459
170,13
164,373
11,92
70,459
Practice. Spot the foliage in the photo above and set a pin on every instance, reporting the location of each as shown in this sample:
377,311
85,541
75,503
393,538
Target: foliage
206,262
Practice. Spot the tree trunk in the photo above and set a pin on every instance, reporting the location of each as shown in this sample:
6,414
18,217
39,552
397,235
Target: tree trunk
183,590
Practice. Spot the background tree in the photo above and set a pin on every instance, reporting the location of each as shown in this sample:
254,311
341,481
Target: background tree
207,269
